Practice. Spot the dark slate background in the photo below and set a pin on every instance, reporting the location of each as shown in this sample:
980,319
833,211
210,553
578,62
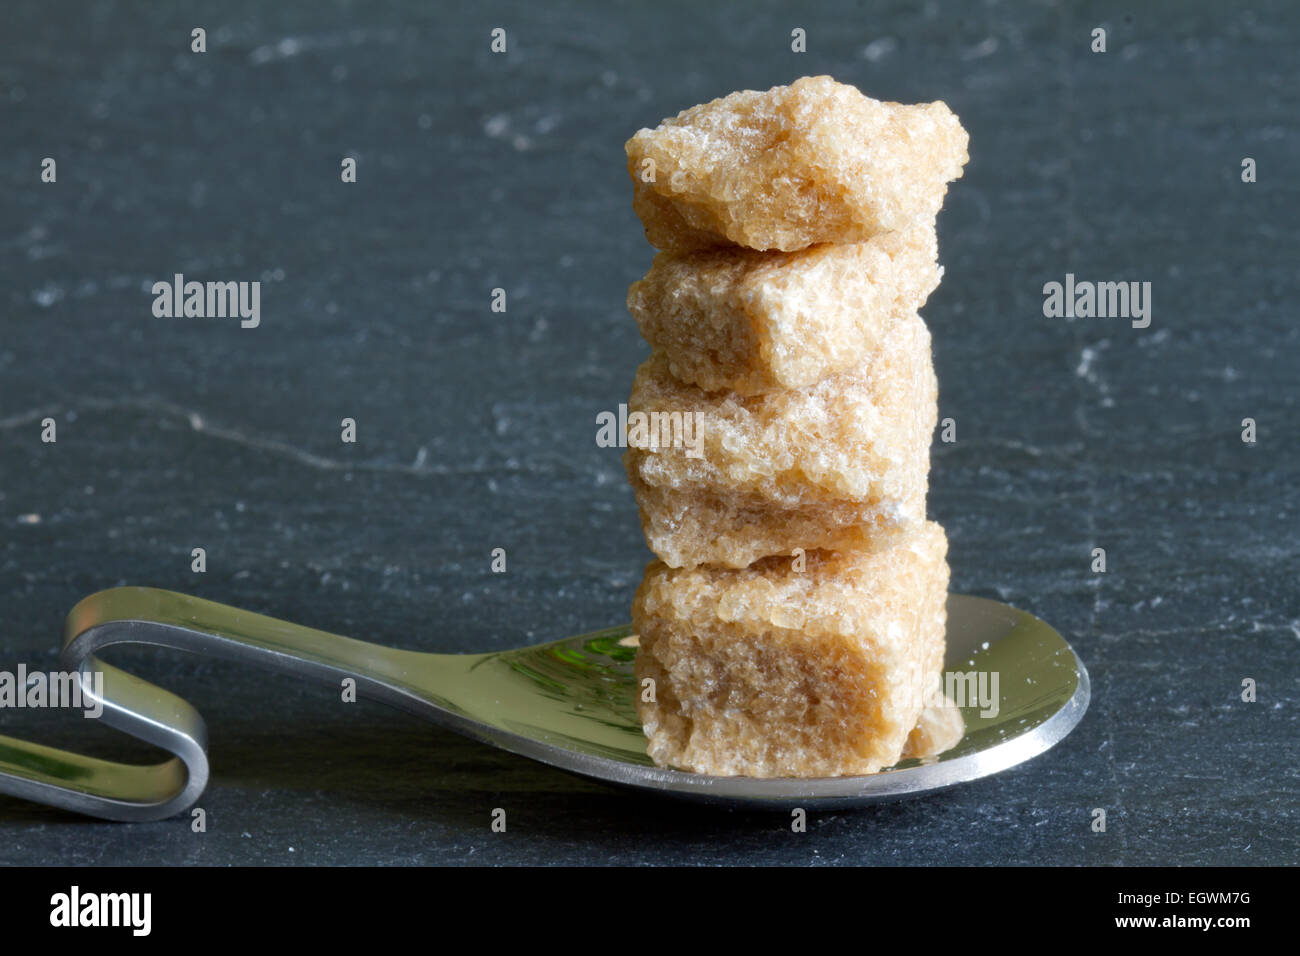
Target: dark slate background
477,429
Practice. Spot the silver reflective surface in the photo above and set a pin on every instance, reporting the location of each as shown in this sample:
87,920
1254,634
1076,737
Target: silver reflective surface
568,704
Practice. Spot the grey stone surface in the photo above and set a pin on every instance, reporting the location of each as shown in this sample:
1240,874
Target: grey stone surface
476,429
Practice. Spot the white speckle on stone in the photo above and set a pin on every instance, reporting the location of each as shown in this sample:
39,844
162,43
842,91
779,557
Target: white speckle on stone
47,295
1085,362
986,47
877,50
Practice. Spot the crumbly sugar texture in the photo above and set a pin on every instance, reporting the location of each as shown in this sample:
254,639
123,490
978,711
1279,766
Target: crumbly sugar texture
939,729
815,161
769,671
735,319
858,441
686,527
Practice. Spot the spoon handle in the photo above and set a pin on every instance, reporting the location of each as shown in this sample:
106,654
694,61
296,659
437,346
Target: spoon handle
129,615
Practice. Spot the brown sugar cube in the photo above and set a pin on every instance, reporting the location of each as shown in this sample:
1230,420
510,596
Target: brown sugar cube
859,440
771,672
862,435
687,527
816,161
750,322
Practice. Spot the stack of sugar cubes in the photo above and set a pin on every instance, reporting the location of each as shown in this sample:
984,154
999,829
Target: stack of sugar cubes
794,623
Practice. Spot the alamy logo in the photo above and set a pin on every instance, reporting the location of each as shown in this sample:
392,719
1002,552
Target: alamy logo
969,690
55,689
209,300
974,689
649,430
1102,300
74,908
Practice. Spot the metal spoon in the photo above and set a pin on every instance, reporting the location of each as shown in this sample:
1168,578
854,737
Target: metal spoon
568,704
